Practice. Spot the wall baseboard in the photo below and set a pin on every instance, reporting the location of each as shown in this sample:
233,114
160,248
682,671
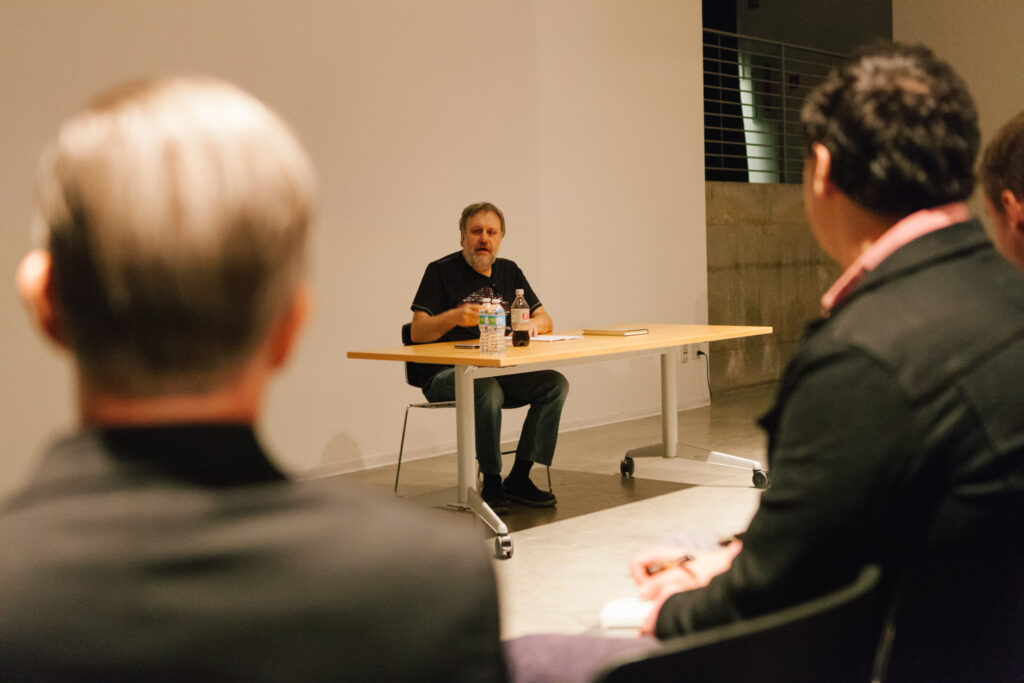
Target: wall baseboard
383,459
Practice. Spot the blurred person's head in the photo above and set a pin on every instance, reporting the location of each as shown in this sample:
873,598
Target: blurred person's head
900,129
174,214
1002,177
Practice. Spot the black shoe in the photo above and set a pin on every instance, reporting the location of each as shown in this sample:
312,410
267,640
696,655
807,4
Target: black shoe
495,498
524,491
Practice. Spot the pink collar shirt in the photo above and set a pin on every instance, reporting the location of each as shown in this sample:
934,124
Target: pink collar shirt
907,230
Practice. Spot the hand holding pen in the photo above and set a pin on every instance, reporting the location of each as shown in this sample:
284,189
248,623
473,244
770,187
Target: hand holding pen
666,570
673,569
684,557
655,567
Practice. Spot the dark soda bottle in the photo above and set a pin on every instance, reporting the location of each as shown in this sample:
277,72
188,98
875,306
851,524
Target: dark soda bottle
520,315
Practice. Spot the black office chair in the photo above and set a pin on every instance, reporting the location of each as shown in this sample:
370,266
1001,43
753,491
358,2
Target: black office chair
413,373
832,638
958,614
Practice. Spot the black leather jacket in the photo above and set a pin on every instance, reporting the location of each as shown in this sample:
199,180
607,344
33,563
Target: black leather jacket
897,438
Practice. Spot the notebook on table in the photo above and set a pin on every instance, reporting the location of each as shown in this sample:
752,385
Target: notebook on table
616,331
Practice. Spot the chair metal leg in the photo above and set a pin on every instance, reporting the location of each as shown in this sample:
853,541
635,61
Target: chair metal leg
401,447
405,424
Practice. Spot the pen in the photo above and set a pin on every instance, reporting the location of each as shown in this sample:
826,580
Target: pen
656,567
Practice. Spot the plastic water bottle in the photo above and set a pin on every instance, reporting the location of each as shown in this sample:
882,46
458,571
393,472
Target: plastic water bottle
499,328
491,328
520,320
485,339
484,324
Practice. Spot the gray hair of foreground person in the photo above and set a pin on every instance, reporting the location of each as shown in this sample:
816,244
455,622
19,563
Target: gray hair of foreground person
175,212
901,129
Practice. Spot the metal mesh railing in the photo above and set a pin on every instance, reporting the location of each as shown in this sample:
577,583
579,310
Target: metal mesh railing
753,91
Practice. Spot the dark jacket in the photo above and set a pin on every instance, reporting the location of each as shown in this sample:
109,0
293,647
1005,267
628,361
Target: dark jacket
898,438
182,553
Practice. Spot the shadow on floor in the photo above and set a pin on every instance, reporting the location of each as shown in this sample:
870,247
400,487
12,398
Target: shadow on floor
579,493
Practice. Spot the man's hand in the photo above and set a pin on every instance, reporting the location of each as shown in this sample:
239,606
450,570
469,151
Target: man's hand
677,576
467,315
540,322
428,328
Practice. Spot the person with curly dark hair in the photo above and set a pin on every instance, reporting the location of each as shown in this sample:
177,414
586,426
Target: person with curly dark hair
897,435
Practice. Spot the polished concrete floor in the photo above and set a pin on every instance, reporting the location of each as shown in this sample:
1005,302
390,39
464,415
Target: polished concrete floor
568,562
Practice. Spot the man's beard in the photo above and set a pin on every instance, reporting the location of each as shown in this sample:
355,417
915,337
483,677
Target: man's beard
481,260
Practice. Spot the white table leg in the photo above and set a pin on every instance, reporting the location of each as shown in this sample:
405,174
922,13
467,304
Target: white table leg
668,448
465,428
669,401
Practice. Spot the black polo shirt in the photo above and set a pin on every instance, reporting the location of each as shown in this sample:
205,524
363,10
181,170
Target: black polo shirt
449,282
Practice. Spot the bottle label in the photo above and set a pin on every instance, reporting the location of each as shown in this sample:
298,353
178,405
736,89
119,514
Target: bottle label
520,318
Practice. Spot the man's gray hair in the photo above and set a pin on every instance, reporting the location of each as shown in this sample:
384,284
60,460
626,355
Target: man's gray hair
176,213
480,207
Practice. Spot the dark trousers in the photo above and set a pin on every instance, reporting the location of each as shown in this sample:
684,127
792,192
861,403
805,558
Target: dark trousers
544,391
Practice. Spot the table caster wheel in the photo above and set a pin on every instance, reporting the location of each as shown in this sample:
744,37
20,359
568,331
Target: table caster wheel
626,466
503,547
760,479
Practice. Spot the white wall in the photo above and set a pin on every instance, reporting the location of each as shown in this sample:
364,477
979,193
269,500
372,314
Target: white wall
982,43
981,40
581,119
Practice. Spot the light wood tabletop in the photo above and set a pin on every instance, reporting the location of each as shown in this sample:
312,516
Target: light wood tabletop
658,336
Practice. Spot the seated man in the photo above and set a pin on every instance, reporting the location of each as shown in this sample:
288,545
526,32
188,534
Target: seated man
160,541
897,437
445,309
1002,179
